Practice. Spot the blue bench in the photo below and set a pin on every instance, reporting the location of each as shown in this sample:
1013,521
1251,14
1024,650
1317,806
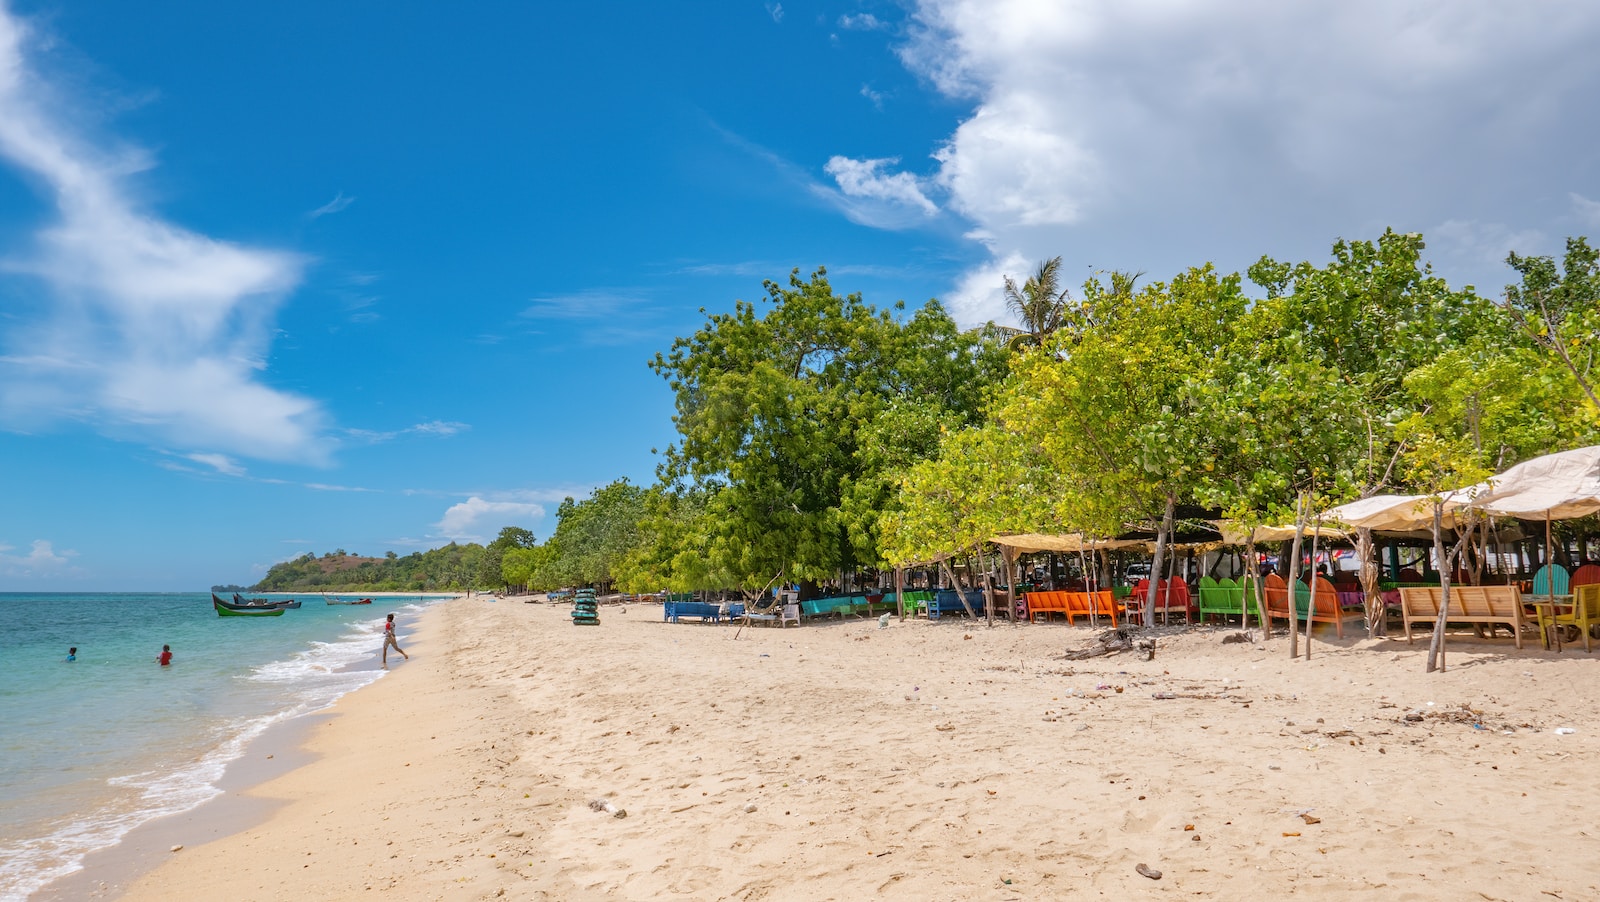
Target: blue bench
705,610
947,601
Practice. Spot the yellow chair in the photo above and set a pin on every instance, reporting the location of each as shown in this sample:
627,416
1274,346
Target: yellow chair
1583,613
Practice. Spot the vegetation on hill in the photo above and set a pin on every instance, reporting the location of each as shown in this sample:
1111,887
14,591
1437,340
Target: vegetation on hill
451,568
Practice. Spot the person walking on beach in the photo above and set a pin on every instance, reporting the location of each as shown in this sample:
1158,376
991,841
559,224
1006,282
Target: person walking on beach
388,640
165,658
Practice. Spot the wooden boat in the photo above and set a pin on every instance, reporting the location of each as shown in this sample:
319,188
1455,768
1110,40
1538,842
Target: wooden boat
286,603
227,609
343,601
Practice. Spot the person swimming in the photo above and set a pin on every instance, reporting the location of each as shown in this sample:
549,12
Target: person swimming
165,658
72,654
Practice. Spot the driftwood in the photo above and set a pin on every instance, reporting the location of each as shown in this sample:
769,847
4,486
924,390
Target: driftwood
1113,642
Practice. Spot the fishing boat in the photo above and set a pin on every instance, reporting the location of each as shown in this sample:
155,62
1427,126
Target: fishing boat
345,601
240,602
228,609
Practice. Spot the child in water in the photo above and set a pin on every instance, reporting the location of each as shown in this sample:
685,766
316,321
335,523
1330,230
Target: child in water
72,654
166,655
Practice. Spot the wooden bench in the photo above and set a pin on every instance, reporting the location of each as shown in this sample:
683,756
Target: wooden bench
705,610
1327,608
1046,603
1468,604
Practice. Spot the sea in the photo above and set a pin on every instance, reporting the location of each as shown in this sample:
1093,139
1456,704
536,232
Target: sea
93,748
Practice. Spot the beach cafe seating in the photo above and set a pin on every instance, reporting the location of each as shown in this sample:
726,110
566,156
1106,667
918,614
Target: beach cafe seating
1327,608
1223,597
1170,595
1071,605
916,600
1477,605
837,606
1552,579
1583,613
1587,575
947,601
764,610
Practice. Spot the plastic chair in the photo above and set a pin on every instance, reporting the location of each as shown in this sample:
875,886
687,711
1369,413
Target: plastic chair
1587,575
1583,613
1551,579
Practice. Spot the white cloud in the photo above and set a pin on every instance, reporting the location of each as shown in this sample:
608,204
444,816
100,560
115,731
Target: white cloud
222,463
775,10
153,331
861,22
438,428
871,196
874,96
42,559
339,202
1145,134
479,520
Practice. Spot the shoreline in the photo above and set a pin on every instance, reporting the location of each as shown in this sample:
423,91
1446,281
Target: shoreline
280,748
940,760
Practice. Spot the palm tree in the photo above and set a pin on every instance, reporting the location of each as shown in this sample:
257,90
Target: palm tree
1039,303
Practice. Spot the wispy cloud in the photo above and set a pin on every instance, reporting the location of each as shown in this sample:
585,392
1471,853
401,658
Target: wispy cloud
339,203
874,96
610,316
436,428
222,463
775,10
862,22
153,332
1587,210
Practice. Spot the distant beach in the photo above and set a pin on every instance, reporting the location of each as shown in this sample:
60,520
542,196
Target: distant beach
926,760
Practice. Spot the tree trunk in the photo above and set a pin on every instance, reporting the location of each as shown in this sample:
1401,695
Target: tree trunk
1252,572
1155,566
1436,645
1376,615
1311,600
1294,574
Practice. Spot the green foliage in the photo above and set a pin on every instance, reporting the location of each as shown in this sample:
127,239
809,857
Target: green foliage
781,411
1559,310
453,568
592,537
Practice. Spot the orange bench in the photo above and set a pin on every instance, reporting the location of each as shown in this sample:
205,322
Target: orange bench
1072,605
1327,608
1091,605
1046,603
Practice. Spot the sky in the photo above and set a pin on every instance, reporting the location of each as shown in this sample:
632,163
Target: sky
378,276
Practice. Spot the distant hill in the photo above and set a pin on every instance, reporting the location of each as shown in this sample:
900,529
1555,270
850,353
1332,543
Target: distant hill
451,568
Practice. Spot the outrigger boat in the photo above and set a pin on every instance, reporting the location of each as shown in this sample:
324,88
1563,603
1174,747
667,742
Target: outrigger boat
263,602
344,601
229,609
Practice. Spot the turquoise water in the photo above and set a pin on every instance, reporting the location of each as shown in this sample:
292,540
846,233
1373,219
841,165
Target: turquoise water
91,749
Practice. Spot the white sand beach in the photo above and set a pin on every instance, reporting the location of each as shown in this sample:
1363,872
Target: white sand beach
924,761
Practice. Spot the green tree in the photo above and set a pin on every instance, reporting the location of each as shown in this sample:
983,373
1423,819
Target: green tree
776,410
1038,303
1559,310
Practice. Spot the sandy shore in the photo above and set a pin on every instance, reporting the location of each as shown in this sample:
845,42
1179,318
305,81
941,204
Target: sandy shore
923,761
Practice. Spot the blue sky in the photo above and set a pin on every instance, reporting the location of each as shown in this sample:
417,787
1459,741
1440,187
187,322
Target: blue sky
292,277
